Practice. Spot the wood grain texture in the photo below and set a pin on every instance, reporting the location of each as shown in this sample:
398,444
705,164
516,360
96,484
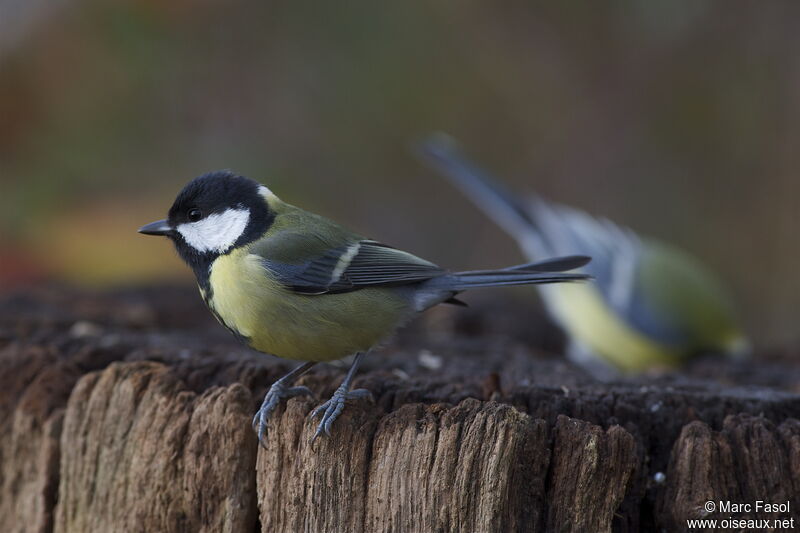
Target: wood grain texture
750,459
138,450
320,486
477,466
131,412
589,476
34,387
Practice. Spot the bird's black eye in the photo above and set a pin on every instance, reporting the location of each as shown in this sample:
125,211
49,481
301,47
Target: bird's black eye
195,214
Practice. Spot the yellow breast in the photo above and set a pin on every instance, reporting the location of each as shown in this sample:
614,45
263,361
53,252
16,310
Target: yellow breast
582,312
247,299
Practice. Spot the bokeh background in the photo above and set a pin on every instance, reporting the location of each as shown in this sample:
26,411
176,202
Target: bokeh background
678,118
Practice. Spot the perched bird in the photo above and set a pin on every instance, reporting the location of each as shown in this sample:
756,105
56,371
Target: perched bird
297,285
651,305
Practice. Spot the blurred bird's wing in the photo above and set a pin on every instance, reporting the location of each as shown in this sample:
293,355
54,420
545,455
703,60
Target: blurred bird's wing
635,279
501,205
352,266
544,229
616,251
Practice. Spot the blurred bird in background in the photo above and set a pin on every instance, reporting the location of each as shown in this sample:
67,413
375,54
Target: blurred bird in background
652,306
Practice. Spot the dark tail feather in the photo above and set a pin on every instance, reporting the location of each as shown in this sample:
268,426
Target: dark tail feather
442,153
461,281
556,264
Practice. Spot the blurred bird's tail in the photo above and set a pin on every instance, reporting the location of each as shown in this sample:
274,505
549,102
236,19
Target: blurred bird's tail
549,271
512,213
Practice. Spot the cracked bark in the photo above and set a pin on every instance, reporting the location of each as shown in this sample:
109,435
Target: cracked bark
130,412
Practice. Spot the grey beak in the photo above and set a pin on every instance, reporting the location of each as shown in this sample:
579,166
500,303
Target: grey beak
159,227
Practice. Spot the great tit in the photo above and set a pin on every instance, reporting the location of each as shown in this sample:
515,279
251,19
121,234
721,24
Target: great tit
294,284
652,305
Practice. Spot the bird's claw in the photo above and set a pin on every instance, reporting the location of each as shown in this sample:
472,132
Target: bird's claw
276,393
331,409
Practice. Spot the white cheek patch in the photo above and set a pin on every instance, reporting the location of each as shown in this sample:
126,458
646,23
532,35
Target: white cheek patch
217,232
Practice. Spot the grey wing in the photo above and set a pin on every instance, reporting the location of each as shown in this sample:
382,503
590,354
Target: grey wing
615,250
360,264
543,229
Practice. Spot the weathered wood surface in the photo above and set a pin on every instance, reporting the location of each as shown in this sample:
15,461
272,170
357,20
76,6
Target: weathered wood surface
131,412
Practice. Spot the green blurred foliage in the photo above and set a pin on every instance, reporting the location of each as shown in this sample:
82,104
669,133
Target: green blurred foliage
677,118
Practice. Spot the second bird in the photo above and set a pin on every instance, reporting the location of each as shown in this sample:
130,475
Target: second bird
652,305
297,285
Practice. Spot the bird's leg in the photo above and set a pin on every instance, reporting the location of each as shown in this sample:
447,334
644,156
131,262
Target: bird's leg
331,409
278,391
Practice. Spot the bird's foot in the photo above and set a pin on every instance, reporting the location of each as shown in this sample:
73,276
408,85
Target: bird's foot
331,409
277,392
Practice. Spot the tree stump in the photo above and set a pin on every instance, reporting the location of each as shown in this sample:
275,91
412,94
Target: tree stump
130,411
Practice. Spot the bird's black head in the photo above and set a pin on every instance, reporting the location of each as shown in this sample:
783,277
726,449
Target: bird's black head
214,214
